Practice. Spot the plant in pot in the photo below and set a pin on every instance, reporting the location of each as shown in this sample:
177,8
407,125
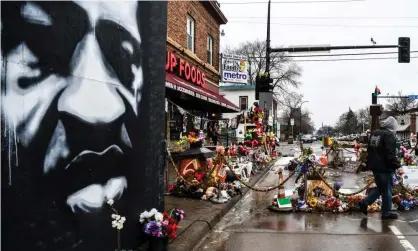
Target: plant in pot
159,227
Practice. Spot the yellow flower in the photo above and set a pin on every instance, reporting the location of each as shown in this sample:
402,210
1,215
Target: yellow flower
313,202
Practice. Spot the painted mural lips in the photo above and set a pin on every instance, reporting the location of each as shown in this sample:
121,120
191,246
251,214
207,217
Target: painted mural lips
90,167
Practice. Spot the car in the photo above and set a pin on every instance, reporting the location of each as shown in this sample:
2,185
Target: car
307,138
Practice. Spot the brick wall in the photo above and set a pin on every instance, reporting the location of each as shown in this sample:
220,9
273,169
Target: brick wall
205,24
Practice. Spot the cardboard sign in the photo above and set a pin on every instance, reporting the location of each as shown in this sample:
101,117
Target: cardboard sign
317,188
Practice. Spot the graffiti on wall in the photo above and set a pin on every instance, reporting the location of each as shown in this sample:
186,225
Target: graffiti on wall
71,91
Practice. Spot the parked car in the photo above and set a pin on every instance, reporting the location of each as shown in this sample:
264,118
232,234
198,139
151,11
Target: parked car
307,138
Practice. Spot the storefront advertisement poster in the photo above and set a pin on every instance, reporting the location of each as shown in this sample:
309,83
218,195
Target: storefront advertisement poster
234,69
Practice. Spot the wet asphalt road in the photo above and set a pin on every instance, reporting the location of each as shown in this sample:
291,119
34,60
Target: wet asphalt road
249,226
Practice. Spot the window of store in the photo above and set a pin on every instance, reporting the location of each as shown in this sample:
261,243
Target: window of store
190,33
243,103
210,50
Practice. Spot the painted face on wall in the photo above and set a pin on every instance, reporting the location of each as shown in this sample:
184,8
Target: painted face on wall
71,82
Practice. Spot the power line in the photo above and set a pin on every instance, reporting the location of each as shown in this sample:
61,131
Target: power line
333,25
336,55
344,59
326,17
297,2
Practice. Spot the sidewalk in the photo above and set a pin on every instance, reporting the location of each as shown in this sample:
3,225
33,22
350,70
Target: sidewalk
201,215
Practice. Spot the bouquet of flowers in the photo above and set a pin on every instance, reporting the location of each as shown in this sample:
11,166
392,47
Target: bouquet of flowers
193,138
178,146
160,225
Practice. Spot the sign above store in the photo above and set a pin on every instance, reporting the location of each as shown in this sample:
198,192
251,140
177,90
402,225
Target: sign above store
183,69
234,69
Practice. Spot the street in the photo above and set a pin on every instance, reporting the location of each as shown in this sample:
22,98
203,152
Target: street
251,226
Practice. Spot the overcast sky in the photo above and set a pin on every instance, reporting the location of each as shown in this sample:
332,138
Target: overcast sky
332,87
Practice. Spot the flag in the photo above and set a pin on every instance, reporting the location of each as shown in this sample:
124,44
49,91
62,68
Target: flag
377,91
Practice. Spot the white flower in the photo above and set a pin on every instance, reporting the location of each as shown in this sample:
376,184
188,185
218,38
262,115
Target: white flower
110,202
143,216
122,219
113,216
117,217
158,217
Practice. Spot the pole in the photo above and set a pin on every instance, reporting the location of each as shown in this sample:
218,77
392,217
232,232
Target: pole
300,121
268,49
328,48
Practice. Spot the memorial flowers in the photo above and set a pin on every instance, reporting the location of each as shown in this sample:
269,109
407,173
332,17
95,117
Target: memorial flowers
161,225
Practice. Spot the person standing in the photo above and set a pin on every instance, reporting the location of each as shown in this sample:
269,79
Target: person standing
215,134
383,162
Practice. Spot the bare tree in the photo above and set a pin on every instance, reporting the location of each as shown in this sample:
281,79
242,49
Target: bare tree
284,72
291,109
401,106
364,118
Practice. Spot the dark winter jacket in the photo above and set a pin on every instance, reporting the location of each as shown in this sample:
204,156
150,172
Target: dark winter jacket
381,152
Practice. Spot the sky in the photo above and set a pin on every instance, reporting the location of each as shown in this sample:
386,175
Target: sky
332,87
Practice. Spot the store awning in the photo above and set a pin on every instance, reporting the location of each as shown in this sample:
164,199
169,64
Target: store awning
175,83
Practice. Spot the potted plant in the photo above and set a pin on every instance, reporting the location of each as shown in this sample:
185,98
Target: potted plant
160,227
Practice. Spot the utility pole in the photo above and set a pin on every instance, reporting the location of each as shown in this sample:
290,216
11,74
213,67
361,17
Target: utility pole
268,39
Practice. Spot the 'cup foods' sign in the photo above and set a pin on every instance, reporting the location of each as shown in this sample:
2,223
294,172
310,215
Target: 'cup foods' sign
234,69
183,69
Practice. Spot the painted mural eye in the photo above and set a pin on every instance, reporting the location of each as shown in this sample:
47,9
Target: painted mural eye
121,51
128,47
34,14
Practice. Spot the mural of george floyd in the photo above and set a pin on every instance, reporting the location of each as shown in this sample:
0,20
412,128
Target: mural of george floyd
82,92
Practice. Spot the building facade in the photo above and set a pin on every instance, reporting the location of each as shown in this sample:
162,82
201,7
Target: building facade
192,62
244,97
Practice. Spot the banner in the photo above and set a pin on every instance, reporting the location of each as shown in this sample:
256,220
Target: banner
234,69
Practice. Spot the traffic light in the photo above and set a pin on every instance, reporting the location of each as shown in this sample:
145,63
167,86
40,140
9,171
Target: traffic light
404,48
374,98
263,84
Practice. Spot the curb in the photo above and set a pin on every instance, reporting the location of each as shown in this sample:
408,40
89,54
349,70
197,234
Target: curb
191,236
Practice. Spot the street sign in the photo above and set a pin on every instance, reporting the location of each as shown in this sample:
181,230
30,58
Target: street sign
413,96
292,122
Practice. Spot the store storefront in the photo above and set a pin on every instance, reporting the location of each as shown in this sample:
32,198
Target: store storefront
187,87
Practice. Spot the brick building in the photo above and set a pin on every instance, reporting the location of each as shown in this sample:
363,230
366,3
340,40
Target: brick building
192,63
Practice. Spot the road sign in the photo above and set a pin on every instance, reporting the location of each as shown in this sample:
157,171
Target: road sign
413,96
292,122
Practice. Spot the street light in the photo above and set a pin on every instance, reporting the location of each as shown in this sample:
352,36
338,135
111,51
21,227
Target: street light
300,129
